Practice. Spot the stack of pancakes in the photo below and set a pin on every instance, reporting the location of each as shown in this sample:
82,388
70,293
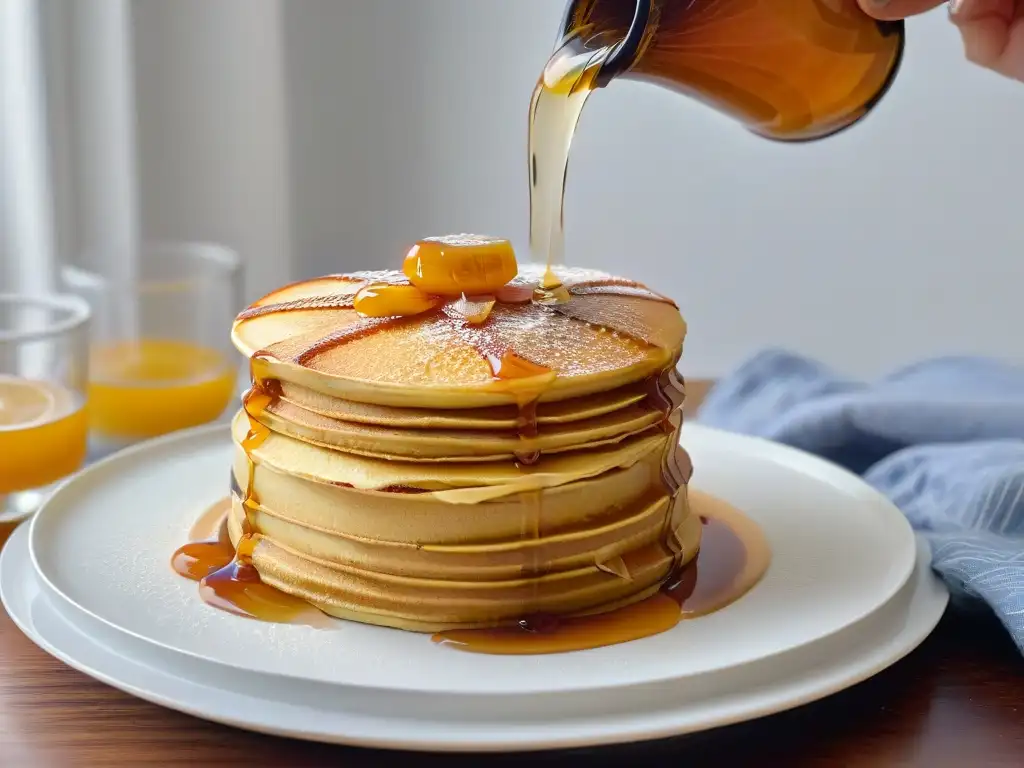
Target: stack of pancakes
431,472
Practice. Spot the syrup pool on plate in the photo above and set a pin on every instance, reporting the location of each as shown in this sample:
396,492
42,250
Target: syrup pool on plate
43,428
149,387
228,579
733,559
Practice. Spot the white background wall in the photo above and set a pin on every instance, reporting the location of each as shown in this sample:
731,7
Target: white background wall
898,239
213,136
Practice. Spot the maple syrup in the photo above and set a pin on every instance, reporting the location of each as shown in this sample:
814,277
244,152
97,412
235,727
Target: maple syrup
556,106
526,426
238,589
733,558
510,367
209,546
210,524
227,578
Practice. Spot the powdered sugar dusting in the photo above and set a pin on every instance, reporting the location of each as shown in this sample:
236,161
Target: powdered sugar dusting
568,339
335,301
359,328
389,276
616,287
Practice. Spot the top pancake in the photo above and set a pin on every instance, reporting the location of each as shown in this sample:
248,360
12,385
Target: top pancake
612,332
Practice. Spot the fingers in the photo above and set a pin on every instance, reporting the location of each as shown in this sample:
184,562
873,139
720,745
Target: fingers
897,9
992,30
985,26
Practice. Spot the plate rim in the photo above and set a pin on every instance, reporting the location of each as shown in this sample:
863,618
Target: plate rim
928,591
793,457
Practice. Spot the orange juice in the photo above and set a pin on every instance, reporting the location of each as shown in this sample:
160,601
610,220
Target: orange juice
150,387
43,429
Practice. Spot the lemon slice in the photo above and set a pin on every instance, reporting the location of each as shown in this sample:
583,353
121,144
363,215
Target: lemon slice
27,402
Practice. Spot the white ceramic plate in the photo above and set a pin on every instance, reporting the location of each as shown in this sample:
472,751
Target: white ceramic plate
442,723
102,543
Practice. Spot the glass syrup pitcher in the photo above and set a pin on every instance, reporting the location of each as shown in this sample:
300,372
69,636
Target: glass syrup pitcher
790,70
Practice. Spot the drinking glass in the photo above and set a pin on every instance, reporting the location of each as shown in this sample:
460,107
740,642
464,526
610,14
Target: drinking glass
160,356
43,373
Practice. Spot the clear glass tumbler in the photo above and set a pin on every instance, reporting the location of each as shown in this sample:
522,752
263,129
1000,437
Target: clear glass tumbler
160,355
43,374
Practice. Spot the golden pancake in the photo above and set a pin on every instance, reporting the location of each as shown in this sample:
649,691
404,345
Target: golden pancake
430,519
496,418
453,445
488,561
613,332
455,483
434,604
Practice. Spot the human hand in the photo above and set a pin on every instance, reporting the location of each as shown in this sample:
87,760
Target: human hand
992,30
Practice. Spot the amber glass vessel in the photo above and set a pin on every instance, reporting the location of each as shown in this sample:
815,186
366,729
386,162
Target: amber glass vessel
791,70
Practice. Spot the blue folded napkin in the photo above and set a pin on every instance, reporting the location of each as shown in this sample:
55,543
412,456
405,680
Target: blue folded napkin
944,439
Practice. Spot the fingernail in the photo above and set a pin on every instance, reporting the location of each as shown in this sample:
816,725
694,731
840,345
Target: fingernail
955,7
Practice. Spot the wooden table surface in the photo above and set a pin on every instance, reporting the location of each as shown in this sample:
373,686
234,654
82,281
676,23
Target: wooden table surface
956,701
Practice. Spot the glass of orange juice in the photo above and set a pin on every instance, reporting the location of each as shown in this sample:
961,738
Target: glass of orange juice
160,356
43,374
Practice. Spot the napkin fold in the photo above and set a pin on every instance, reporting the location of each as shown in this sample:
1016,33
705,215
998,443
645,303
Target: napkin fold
943,438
